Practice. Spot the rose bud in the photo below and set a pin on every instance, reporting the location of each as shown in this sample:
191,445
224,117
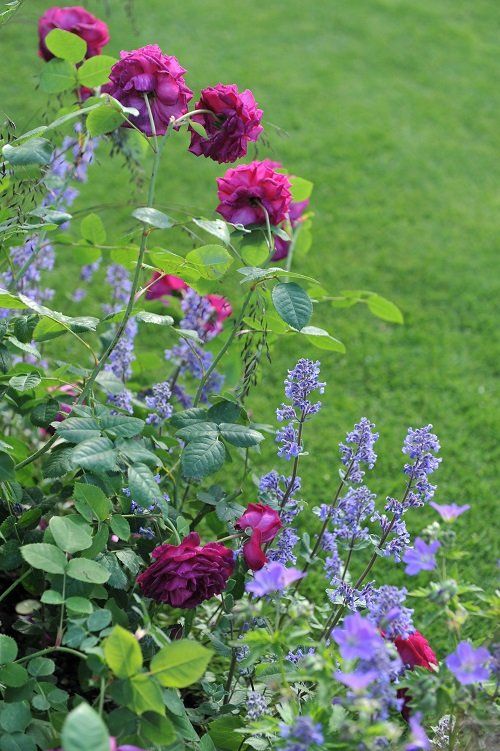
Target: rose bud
185,575
164,285
76,20
264,523
245,189
415,651
233,119
148,72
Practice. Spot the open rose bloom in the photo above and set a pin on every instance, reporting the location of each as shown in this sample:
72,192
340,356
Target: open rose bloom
248,191
76,20
185,575
148,72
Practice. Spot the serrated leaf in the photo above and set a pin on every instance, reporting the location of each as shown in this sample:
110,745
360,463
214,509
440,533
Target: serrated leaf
322,339
84,730
147,317
92,228
34,151
58,462
292,304
142,485
240,435
95,71
216,227
104,120
65,45
152,217
211,261
25,381
384,309
120,526
188,416
96,454
88,571
43,414
181,663
94,498
122,653
157,729
202,457
122,426
69,534
41,555
146,695
77,429
197,429
57,76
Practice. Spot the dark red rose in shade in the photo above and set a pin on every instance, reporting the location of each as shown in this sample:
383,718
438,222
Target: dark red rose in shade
164,284
78,21
265,524
185,575
245,189
296,217
233,120
147,71
416,651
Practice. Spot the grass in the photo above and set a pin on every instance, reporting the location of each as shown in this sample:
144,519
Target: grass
391,108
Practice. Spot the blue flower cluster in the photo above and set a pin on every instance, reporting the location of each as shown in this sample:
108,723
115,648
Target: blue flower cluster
303,734
159,403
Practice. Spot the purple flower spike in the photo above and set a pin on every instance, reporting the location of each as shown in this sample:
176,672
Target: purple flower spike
419,740
357,638
469,665
272,578
449,512
421,557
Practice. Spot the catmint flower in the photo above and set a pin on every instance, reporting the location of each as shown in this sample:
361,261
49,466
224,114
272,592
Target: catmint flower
469,664
418,740
256,705
398,538
420,445
363,439
159,402
421,557
387,611
273,577
122,400
301,735
300,382
356,681
288,438
358,638
284,548
295,656
352,511
450,512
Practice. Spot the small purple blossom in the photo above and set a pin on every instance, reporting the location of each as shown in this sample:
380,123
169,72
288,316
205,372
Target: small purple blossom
300,382
420,445
353,509
288,438
283,551
296,655
273,577
358,638
256,705
387,611
302,734
363,437
421,557
418,740
356,681
450,511
159,403
469,664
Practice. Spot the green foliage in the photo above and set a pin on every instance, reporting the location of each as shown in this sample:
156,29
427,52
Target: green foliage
180,663
122,653
292,304
84,730
65,45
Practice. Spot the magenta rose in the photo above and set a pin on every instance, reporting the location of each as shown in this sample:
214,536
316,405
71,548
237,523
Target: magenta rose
163,285
78,21
185,575
232,121
264,523
147,71
245,189
222,310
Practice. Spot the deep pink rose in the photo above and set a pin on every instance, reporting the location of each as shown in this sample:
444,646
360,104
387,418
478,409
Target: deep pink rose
164,284
222,310
245,189
265,524
185,575
235,121
78,21
161,77
296,212
416,651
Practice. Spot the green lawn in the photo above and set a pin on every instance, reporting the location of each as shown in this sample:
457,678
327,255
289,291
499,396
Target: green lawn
392,109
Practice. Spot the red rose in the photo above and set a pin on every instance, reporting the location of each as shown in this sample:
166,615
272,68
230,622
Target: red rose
185,575
416,651
245,189
78,21
231,120
265,524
